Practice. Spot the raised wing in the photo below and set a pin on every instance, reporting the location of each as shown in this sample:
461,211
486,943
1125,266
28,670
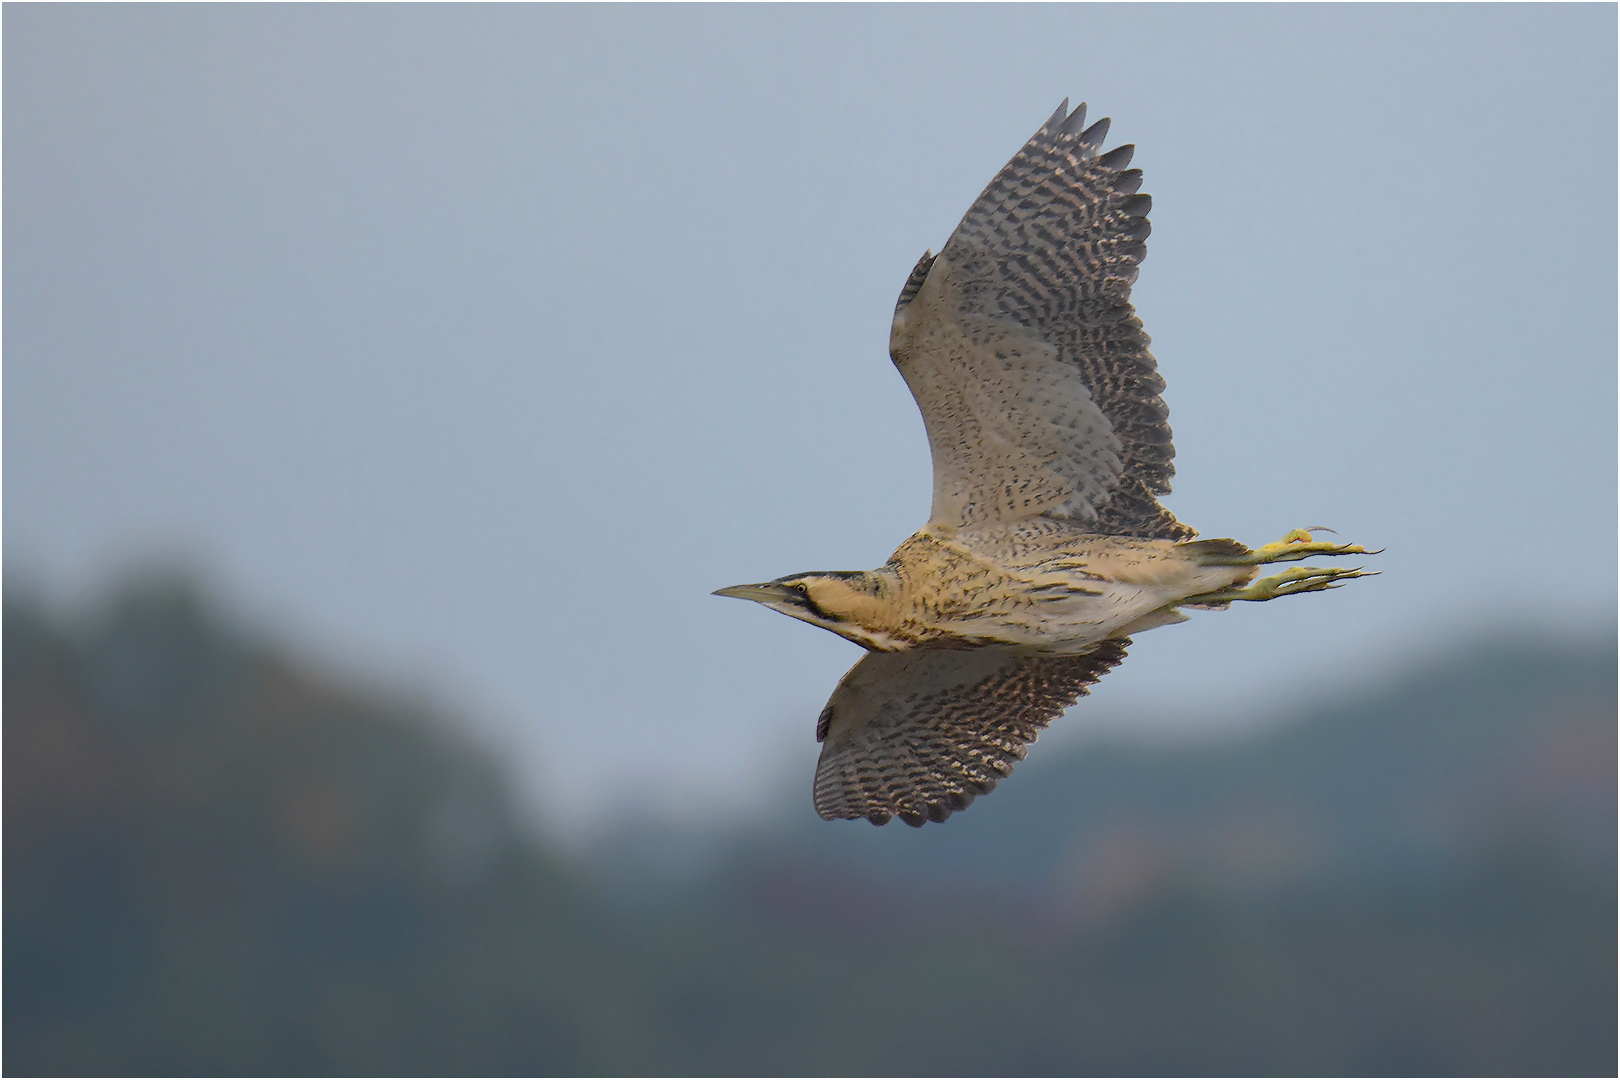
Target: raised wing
919,734
1019,342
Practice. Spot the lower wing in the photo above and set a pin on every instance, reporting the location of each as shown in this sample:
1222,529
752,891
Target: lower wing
919,734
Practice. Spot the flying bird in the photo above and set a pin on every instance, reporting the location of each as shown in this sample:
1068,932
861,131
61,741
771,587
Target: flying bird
1046,547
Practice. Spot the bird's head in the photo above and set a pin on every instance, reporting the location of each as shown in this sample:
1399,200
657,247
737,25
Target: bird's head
851,604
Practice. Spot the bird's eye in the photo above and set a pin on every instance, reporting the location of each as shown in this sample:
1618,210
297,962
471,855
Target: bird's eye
800,588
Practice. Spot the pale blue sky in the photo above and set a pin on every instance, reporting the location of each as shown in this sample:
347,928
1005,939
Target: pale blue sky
474,345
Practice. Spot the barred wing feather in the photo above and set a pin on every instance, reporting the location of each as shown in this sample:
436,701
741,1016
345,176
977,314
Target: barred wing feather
1025,356
919,734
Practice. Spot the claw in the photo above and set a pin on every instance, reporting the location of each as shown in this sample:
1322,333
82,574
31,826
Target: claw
1301,579
1293,547
1298,545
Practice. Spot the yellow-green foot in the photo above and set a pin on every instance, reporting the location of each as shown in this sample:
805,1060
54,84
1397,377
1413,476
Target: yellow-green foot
1297,545
1300,579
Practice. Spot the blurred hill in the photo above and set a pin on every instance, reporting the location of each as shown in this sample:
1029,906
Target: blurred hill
218,863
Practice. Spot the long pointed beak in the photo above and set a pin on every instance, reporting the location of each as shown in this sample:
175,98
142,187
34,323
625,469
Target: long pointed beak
763,593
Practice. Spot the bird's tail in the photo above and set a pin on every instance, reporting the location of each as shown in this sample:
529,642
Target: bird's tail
1217,552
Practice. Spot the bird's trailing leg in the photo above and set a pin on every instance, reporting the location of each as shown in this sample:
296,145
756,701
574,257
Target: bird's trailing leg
1297,545
1300,579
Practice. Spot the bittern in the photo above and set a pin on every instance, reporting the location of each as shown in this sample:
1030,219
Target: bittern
1046,547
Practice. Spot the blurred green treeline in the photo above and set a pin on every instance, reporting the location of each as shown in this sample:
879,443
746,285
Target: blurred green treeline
218,863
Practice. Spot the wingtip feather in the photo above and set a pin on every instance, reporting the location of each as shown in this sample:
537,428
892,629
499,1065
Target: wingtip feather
1118,157
1095,134
1074,121
1055,121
